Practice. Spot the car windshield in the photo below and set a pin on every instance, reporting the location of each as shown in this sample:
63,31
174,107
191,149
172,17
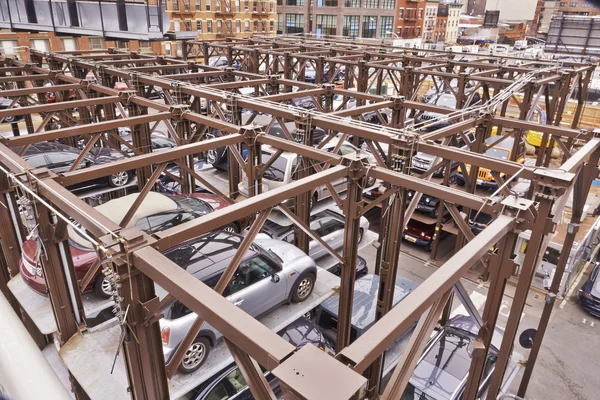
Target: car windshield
495,152
276,171
446,101
192,204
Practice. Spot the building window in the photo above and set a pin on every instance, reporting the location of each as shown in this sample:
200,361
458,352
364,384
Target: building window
563,4
186,5
351,25
8,47
69,44
238,26
168,49
122,44
255,25
188,25
401,13
246,26
247,5
197,5
176,26
420,13
352,3
327,3
96,43
255,6
208,5
264,26
179,49
280,24
237,5
294,23
371,3
279,2
218,6
388,4
386,24
209,26
369,27
145,47
271,6
326,25
294,2
175,5
219,26
199,25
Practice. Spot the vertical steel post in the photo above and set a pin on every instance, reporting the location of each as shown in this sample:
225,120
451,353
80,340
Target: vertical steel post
304,202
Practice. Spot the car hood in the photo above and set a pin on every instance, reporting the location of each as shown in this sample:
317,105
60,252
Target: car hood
425,157
288,253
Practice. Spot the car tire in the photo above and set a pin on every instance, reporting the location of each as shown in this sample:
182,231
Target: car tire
429,247
303,287
195,356
360,235
312,202
103,288
9,119
231,228
119,179
434,213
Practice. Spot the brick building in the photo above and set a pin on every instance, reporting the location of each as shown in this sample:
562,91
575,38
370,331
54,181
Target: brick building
446,24
409,22
429,20
578,7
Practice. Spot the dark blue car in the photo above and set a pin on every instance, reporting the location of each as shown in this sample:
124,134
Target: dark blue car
589,294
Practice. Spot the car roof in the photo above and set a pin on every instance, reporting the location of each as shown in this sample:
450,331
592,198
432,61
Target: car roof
116,209
365,299
276,230
506,143
208,255
47,147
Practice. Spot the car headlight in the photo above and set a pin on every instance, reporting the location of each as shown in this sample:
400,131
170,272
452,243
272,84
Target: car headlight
427,200
585,295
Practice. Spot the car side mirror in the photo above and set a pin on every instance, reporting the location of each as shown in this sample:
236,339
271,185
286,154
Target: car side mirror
275,278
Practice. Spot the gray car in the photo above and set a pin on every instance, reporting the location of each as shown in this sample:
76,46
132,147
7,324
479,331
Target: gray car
272,272
328,224
442,371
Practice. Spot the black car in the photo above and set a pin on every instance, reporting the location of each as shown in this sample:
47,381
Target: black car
442,371
166,183
159,142
361,268
4,104
589,294
478,221
427,204
229,383
59,158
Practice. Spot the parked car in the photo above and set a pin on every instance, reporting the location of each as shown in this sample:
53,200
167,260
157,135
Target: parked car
441,88
221,62
478,221
166,183
4,104
501,150
157,212
59,158
328,224
229,383
421,233
361,268
427,204
441,372
272,272
428,119
363,307
589,294
159,142
283,171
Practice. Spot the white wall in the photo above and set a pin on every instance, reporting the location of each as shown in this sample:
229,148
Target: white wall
513,9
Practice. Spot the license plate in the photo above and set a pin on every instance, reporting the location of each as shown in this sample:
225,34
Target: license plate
410,239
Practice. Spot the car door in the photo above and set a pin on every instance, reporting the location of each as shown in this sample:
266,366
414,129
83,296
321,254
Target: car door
257,286
333,232
316,249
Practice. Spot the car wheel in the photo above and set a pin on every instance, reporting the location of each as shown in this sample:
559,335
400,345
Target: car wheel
119,179
313,201
103,288
434,213
195,356
429,247
360,235
231,228
303,288
9,119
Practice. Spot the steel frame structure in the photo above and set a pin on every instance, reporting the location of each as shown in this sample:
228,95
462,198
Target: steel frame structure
136,257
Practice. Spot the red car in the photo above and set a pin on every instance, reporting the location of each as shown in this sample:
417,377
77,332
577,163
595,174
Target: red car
157,212
421,234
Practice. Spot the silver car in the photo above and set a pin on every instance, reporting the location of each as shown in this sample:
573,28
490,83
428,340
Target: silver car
328,224
272,272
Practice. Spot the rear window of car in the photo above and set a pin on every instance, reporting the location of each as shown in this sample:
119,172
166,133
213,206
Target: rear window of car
193,204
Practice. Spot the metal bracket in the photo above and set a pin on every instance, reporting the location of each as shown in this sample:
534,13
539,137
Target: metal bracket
178,110
550,298
126,96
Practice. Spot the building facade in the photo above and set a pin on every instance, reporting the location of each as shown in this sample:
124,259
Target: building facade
429,20
548,9
578,7
446,25
369,19
409,21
